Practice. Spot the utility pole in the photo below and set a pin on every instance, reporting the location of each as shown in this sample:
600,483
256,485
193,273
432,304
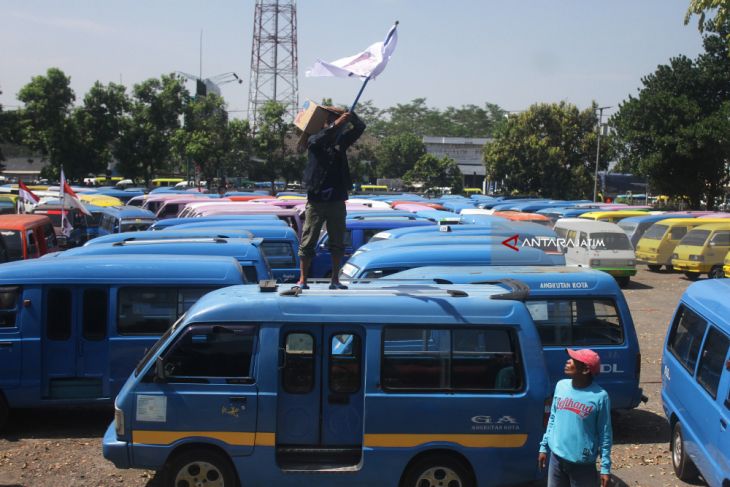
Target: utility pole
598,151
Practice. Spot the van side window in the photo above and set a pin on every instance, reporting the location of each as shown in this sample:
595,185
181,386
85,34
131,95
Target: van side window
721,239
676,233
9,296
279,254
345,363
712,361
94,322
577,321
32,245
250,274
298,373
58,314
152,310
51,242
210,352
481,360
378,273
686,337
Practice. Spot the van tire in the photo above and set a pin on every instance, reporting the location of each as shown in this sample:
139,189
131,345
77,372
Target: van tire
654,267
692,276
683,466
716,272
4,411
623,281
205,465
438,469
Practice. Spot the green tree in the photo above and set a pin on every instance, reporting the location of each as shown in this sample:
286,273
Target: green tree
145,142
240,147
677,130
44,119
548,150
205,139
397,154
274,157
436,172
702,7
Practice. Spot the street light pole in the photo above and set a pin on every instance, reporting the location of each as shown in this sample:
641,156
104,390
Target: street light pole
598,151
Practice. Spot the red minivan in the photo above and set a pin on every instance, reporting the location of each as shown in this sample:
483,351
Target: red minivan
26,237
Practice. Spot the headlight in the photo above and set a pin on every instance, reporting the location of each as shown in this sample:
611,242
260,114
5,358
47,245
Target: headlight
119,421
675,256
697,258
595,262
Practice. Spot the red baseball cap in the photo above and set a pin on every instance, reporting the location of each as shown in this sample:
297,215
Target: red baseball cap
588,357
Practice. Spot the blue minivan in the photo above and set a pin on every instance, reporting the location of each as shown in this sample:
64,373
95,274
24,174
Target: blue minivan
125,219
399,385
696,383
572,307
246,251
357,232
386,261
72,329
171,222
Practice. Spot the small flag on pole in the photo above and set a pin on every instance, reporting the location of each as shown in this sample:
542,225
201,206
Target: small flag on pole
26,194
66,193
367,64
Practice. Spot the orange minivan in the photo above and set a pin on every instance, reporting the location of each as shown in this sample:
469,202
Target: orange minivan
26,237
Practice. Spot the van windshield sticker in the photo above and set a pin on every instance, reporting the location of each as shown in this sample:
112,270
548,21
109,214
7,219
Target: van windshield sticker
152,408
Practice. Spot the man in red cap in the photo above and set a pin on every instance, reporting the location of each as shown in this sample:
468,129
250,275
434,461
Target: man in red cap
579,428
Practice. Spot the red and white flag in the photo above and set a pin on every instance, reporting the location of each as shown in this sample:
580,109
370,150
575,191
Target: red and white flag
66,193
26,194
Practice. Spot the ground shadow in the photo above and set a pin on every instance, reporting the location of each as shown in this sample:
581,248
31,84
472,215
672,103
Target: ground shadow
637,285
77,422
640,426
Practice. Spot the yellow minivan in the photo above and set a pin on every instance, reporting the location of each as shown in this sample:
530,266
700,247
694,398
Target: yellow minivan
726,266
612,216
703,250
656,246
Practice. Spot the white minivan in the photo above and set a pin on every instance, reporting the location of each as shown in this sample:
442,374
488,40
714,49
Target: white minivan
597,244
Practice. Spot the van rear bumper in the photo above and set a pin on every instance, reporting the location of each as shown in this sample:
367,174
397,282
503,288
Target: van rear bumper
114,450
618,271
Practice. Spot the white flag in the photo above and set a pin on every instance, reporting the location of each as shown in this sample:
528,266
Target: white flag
367,64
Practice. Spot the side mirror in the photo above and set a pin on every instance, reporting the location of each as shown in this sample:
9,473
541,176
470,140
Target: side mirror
160,373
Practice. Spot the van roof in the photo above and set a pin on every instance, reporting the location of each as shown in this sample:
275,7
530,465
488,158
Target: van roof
373,303
242,249
540,279
587,225
713,226
450,254
129,212
145,269
21,222
709,298
170,233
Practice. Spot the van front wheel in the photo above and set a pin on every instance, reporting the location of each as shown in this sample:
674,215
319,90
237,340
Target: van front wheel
654,267
437,470
716,273
692,276
4,411
623,281
683,466
200,467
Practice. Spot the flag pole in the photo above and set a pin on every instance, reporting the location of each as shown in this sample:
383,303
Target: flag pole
365,82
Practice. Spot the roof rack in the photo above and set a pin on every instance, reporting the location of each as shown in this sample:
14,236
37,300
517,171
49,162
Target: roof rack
134,241
296,291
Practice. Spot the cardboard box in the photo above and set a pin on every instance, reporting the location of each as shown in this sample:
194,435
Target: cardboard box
311,118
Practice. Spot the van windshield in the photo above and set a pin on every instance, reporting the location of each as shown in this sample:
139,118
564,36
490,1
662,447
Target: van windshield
656,232
610,241
695,237
135,226
13,244
628,227
153,351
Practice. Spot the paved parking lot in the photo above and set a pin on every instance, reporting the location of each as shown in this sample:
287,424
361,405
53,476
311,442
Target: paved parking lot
64,447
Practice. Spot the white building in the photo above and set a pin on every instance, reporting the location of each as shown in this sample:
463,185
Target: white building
467,152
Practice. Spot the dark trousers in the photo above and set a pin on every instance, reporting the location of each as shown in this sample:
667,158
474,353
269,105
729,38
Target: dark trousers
562,473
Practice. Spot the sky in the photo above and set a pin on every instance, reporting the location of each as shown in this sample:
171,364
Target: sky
450,52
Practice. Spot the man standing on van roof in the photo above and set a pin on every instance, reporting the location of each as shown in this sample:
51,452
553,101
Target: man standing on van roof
327,180
579,427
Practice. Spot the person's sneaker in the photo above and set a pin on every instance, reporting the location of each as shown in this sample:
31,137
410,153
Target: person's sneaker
337,285
302,285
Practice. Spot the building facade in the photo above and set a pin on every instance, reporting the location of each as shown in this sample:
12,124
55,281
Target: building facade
467,152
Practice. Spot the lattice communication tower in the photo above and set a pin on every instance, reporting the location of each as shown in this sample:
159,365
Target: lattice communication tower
274,61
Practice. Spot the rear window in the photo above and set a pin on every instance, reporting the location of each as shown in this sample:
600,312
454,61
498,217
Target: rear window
584,322
454,360
13,244
135,226
655,232
611,241
152,310
279,254
685,337
695,238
